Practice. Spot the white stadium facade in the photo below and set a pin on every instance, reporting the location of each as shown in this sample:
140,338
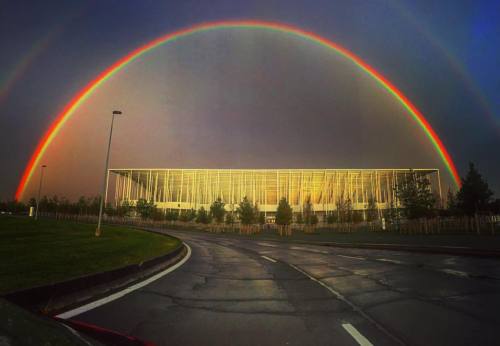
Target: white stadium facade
183,189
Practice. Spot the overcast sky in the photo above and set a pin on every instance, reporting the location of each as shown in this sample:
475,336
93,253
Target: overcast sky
242,98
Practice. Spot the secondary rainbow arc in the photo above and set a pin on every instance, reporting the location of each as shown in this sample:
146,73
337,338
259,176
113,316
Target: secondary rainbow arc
91,87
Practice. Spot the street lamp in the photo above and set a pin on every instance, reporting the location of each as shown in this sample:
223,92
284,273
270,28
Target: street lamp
105,183
39,191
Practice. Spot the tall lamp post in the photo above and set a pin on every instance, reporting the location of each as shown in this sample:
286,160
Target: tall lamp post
105,183
42,168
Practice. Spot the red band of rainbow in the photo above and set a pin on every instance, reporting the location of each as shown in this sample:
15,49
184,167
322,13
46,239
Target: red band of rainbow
88,90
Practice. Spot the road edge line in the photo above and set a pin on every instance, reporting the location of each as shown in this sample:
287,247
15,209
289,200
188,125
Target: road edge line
352,305
268,258
92,305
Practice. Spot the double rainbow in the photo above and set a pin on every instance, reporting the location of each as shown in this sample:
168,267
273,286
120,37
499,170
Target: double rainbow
91,87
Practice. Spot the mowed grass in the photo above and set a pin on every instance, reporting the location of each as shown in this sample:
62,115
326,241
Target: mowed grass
34,253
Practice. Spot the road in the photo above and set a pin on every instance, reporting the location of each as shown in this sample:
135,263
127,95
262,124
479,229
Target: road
236,291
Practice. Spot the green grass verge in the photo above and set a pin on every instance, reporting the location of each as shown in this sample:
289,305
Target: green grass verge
34,253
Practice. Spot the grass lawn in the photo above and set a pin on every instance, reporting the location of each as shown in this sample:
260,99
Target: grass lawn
34,253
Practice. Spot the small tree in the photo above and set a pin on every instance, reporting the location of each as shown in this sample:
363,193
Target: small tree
32,202
451,203
187,215
284,215
308,211
202,216
314,220
310,219
229,219
299,219
171,215
372,210
344,210
331,218
145,208
416,196
245,212
82,205
217,211
474,196
124,209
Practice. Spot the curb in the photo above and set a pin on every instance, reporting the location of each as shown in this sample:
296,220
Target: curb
65,295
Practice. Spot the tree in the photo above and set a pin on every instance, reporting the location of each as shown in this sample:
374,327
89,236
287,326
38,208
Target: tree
124,209
451,203
171,215
299,219
416,196
284,215
474,195
13,206
94,205
314,219
187,215
202,216
82,205
229,219
217,210
308,211
310,219
344,210
145,208
372,210
245,212
44,204
331,218
32,202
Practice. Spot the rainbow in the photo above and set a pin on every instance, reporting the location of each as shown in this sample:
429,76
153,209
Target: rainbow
91,87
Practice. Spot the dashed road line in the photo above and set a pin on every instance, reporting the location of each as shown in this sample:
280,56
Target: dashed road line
310,250
353,257
390,260
360,338
119,294
352,305
267,244
268,258
455,272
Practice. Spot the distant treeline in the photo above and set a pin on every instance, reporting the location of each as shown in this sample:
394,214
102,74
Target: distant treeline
414,196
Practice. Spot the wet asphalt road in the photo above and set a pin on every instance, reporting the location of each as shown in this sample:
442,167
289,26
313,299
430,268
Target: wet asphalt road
246,292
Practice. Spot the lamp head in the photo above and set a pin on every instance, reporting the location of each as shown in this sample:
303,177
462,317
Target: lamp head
117,112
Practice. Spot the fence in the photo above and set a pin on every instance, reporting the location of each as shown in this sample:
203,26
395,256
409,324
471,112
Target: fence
479,224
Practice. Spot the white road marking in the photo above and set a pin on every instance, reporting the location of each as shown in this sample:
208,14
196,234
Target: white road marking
360,339
352,257
455,272
268,258
348,302
390,261
119,294
266,244
307,249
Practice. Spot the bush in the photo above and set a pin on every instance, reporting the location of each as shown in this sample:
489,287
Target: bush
202,216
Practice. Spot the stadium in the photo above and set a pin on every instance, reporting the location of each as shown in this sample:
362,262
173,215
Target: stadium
183,189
